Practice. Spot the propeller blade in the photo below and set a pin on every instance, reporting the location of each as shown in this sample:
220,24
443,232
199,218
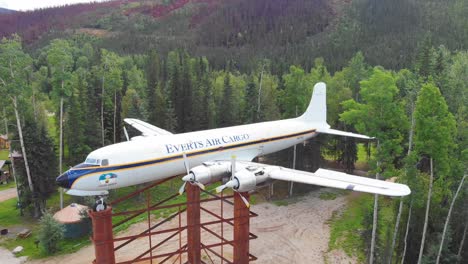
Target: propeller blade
199,184
221,188
233,166
186,164
229,184
182,188
245,200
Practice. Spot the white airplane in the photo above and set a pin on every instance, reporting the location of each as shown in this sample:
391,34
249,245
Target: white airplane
158,154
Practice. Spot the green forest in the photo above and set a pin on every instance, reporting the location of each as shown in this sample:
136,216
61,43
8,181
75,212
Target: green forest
395,70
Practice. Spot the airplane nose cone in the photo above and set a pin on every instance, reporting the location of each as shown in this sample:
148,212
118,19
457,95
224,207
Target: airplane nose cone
62,180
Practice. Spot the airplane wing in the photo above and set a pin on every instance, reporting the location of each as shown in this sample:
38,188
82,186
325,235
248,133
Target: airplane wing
342,133
86,193
327,178
341,180
145,128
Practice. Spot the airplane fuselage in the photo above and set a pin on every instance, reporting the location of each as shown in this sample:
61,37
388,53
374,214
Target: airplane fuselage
158,157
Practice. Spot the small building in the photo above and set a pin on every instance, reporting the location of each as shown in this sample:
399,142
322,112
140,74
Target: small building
4,143
15,155
71,217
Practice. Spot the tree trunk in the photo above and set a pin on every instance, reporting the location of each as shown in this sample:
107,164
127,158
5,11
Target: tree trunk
448,219
259,94
411,132
410,148
23,149
376,208
115,112
407,231
37,209
34,105
395,232
374,227
461,244
102,111
426,218
61,147
294,167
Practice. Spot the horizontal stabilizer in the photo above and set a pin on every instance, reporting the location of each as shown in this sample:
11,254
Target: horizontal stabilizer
145,128
86,193
342,133
341,180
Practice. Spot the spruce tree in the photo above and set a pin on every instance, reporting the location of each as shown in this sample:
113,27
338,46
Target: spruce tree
226,110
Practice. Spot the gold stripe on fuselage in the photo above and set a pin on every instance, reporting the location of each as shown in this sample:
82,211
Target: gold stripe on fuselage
193,153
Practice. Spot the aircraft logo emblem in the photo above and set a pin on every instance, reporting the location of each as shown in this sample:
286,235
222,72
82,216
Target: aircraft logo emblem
108,179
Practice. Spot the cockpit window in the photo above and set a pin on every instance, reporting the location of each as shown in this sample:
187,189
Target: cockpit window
92,161
104,162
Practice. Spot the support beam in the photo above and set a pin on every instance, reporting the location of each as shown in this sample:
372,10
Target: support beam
193,224
241,229
102,236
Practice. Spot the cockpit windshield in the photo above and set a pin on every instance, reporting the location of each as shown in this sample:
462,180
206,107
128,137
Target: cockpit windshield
92,161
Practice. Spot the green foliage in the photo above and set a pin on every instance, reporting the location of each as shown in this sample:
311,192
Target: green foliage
40,150
50,233
296,94
380,116
226,115
435,128
60,59
15,65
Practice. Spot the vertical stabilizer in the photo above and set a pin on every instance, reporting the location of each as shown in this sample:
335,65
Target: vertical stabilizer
317,110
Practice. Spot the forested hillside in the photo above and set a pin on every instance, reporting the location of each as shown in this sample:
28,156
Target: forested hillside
395,70
389,33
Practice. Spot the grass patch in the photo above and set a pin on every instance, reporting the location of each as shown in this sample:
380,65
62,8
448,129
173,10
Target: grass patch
362,153
10,215
34,251
281,202
9,185
4,154
328,196
348,228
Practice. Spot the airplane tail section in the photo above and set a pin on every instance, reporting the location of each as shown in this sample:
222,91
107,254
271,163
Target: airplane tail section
316,114
317,110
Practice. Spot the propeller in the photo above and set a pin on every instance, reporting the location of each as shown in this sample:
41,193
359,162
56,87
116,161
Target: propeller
233,183
230,184
190,177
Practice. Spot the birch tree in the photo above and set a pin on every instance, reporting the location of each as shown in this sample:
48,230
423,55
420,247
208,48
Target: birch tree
14,63
60,59
408,84
111,81
381,116
434,138
447,221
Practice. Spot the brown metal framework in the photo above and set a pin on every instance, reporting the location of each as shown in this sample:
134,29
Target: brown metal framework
232,248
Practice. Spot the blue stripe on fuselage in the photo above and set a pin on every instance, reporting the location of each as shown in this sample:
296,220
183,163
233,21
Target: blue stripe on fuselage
78,171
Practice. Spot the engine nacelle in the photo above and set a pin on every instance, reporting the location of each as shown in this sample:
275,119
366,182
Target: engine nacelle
246,181
211,172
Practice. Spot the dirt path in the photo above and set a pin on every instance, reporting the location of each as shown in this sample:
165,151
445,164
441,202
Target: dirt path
7,194
296,233
7,257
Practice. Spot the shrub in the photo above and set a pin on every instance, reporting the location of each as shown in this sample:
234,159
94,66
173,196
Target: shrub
50,233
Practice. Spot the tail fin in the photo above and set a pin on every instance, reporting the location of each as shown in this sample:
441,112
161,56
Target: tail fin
317,110
316,114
